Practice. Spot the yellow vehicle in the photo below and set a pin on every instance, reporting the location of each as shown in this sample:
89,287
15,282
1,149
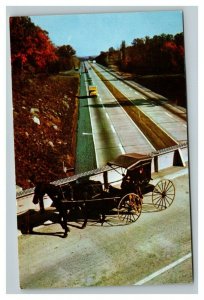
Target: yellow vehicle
93,91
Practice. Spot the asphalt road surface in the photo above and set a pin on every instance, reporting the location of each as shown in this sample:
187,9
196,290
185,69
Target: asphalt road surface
171,123
105,130
85,151
114,255
113,131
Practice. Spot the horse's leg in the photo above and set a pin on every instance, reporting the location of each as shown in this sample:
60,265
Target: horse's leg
63,219
102,215
42,208
102,218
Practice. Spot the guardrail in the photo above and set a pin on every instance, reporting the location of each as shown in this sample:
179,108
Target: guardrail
176,158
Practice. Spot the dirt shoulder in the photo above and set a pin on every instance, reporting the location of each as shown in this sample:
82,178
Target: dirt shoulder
45,111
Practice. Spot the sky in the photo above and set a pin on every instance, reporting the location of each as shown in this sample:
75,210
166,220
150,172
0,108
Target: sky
89,34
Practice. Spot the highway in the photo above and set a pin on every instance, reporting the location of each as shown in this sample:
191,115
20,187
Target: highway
170,122
134,124
114,132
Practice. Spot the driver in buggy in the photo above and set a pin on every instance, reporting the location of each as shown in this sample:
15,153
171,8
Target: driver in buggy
132,182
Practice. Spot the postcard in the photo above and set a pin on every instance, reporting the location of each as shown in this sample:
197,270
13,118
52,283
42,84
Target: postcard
101,150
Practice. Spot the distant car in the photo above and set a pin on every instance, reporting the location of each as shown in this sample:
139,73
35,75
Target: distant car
93,91
76,69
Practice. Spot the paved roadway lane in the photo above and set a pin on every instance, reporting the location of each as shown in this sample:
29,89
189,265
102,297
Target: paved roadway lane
170,122
113,255
85,151
114,132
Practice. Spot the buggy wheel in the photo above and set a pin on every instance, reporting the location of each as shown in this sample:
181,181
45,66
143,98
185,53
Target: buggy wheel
163,194
129,208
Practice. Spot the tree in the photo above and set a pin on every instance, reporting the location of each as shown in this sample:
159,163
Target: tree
102,58
65,54
157,55
175,56
138,42
123,55
65,51
30,45
111,50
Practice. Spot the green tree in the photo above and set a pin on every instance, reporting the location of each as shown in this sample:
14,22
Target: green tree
65,54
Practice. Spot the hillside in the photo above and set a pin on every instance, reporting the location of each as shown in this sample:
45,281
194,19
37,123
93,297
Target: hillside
45,110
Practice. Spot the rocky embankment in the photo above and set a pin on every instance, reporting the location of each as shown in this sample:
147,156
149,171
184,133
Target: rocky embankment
45,111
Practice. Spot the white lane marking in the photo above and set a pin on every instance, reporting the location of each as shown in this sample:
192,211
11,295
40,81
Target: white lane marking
107,116
113,129
161,271
87,133
169,115
121,148
141,96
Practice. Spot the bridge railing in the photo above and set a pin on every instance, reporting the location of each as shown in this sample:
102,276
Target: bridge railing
173,156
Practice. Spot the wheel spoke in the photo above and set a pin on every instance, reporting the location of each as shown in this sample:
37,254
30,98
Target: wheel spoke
160,186
171,199
170,196
170,186
163,194
128,209
157,197
157,192
169,203
128,217
159,204
164,185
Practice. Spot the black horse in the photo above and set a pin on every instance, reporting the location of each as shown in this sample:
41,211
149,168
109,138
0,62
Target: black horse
56,195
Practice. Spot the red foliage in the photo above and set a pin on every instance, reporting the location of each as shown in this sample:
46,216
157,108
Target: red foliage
176,52
161,54
177,49
30,45
170,45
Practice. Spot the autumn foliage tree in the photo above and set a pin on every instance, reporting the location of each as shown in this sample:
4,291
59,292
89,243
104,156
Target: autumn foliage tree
44,107
31,48
161,54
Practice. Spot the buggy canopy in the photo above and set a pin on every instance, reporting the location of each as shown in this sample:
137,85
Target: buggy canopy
131,160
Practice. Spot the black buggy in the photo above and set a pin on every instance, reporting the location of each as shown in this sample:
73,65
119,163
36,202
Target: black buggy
115,193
